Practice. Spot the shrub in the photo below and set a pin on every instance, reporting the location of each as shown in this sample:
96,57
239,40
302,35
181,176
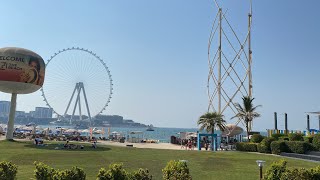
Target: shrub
141,174
300,147
275,171
43,172
295,137
277,136
256,138
279,171
115,171
74,174
176,170
8,171
315,173
283,138
246,146
308,139
278,146
297,174
316,141
264,145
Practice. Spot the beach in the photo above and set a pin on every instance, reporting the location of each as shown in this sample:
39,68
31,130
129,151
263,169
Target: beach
118,144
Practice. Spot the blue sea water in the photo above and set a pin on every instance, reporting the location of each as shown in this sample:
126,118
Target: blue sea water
161,134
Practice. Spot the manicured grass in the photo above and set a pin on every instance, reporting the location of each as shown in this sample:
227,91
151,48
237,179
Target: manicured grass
203,165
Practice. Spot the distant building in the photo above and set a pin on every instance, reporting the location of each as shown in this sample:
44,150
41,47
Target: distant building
43,112
4,108
20,114
30,114
128,121
111,119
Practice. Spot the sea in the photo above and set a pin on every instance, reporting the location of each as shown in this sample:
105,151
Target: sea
161,134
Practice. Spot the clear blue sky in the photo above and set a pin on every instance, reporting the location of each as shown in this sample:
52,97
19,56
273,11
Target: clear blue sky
157,53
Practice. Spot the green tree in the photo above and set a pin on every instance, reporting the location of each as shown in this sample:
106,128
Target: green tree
247,112
210,120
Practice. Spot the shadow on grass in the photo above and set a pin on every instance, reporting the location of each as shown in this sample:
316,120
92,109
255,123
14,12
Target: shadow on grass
56,146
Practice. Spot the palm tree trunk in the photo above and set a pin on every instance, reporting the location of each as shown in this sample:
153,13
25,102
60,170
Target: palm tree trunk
247,126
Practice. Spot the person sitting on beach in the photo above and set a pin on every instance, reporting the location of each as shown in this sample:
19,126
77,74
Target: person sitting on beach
66,145
36,141
94,145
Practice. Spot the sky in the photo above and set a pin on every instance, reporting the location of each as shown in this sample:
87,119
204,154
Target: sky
157,53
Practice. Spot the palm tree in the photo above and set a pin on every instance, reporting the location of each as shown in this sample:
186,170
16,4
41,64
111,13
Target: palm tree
210,120
247,112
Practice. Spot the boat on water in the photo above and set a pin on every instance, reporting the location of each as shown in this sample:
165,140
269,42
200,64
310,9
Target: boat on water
81,126
150,128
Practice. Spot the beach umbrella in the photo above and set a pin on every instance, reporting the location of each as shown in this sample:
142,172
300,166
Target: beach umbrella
232,130
70,130
97,132
33,130
85,131
47,132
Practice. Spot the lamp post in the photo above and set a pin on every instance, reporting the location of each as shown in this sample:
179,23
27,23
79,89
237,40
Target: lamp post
260,163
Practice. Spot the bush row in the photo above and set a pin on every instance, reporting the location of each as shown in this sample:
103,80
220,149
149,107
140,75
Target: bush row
264,145
244,146
293,143
299,147
173,170
316,141
279,171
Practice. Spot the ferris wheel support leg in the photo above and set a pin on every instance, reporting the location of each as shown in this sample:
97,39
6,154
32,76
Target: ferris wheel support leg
75,105
10,126
65,113
86,101
79,92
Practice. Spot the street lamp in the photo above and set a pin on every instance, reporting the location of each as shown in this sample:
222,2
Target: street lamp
260,163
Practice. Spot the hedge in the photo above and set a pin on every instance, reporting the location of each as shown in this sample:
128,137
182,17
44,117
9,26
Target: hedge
246,146
264,145
295,137
278,146
299,147
256,138
174,170
316,141
277,136
279,171
308,139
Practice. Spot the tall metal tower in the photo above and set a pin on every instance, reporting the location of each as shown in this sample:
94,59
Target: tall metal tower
79,86
230,63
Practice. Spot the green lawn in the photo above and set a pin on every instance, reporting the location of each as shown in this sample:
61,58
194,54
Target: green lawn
203,165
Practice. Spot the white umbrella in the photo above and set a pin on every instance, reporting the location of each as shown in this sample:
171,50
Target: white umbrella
70,130
85,131
97,132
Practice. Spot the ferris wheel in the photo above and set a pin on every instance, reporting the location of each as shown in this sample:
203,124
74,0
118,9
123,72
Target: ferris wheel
78,84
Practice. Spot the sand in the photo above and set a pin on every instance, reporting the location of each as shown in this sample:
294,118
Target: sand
135,145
